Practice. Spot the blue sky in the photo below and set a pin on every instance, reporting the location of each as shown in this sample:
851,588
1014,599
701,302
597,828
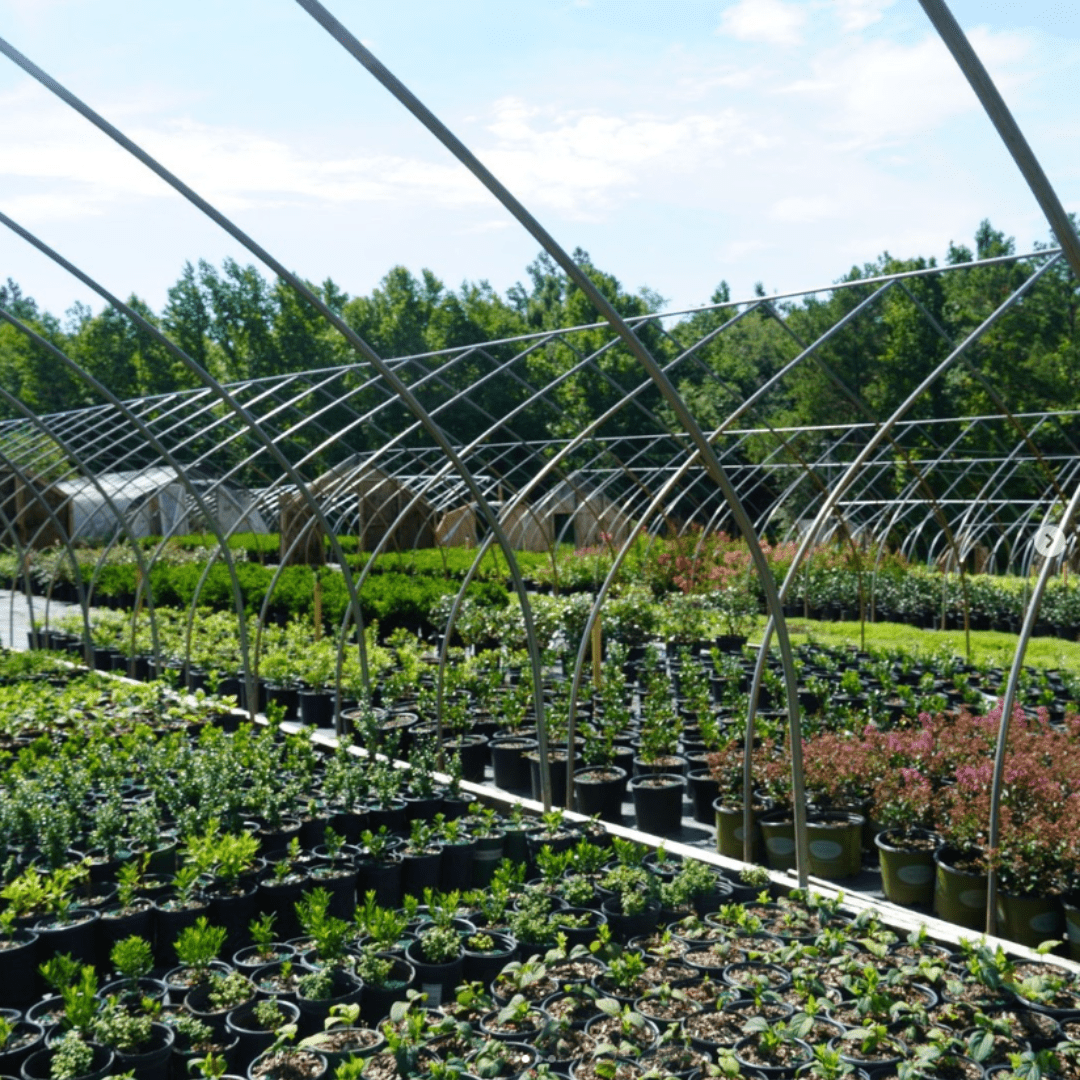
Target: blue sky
679,142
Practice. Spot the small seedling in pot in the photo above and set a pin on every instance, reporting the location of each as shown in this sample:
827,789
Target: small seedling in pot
198,947
211,1067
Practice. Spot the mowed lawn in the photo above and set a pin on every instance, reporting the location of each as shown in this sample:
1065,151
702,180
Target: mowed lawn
987,646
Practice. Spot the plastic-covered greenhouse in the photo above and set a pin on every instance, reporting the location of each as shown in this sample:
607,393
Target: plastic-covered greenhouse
428,557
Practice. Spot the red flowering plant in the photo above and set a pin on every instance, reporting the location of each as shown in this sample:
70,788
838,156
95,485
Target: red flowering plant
1036,849
903,801
840,769
714,568
770,770
1039,831
1037,855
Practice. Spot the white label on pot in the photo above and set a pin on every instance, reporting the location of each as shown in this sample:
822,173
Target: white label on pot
1046,923
826,850
1072,929
780,845
739,833
489,855
434,993
915,874
973,898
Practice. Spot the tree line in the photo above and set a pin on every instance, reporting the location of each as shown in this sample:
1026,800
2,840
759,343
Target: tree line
239,325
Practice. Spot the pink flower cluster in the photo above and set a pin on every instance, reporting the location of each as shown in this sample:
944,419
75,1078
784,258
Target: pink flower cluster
937,773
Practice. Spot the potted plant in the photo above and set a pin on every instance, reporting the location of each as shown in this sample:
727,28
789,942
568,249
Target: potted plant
379,867
437,956
264,949
600,786
138,1042
421,857
496,1059
197,948
387,979
18,1040
486,954
212,999
131,914
281,888
133,960
284,1061
661,727
18,968
341,1040
67,928
455,867
230,861
177,910
321,990
254,1023
658,799
903,804
726,768
489,839
69,1058
634,907
771,1047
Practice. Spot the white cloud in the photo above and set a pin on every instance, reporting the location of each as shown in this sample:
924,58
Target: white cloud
578,163
880,91
769,21
857,15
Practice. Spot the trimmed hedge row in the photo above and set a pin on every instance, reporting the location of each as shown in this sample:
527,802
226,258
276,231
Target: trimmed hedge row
392,598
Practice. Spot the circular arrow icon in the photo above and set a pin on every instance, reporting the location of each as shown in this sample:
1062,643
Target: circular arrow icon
1049,541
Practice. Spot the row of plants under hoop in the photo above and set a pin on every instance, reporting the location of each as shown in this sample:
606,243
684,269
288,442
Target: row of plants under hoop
667,583
897,748
184,891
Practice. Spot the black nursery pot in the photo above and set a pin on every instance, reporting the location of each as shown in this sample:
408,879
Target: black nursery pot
486,855
455,867
116,925
600,790
624,927
378,999
38,1066
483,967
658,803
286,696
316,708
420,872
234,911
78,936
29,1038
280,897
153,1061
392,816
170,922
436,980
422,807
703,791
508,761
339,880
474,756
557,769
253,1040
347,990
382,877
19,983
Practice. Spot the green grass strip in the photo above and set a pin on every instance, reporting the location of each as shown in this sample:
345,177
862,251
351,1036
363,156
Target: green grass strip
988,647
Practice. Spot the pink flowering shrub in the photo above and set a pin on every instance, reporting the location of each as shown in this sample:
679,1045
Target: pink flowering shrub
937,773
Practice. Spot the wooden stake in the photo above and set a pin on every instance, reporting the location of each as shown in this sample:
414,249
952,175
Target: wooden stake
596,642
